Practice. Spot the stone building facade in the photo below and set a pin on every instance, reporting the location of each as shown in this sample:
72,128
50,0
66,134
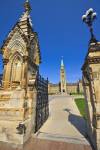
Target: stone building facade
91,83
24,93
53,88
71,88
63,86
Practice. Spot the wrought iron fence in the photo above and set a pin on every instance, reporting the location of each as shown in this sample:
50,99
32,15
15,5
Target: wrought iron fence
42,106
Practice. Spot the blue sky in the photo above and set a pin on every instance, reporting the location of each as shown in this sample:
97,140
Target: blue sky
60,29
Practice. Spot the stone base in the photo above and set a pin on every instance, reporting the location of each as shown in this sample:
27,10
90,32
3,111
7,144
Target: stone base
98,139
13,114
38,144
91,137
9,133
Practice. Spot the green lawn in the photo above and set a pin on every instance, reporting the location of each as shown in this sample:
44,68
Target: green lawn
76,94
80,102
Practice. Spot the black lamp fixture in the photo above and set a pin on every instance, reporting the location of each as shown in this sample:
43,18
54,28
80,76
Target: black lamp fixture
89,18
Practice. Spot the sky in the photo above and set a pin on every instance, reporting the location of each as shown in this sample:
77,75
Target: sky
61,32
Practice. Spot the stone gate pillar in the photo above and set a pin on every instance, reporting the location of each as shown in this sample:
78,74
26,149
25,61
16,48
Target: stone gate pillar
91,83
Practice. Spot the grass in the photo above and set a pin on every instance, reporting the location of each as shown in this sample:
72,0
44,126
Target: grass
80,102
76,93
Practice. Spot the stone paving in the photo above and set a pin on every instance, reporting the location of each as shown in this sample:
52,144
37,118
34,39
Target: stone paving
65,122
38,144
65,129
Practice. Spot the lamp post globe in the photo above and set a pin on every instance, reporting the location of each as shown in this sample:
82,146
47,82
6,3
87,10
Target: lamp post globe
89,18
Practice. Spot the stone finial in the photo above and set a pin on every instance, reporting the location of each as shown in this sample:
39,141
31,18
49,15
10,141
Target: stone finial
27,6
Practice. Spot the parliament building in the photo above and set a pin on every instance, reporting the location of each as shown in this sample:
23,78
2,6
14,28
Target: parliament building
63,86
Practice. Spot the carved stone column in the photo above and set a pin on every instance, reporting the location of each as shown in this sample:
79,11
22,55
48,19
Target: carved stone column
5,75
25,71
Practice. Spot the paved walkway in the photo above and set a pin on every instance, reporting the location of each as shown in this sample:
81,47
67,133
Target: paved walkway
38,144
65,122
64,129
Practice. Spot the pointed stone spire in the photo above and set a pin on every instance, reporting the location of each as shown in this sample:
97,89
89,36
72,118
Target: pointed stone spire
27,6
25,21
62,62
26,13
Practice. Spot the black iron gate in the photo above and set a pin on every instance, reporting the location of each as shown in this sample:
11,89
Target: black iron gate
42,104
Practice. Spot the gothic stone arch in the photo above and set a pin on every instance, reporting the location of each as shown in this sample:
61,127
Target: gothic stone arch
16,68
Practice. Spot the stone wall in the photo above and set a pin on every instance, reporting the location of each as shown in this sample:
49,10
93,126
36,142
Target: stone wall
11,115
53,88
71,88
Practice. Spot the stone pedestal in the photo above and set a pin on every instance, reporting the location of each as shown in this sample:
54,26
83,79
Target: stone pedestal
91,83
16,117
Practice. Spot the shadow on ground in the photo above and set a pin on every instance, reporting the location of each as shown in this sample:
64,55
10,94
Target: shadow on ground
77,121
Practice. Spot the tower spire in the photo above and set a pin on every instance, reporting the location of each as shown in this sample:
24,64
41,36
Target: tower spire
26,17
62,62
27,6
63,77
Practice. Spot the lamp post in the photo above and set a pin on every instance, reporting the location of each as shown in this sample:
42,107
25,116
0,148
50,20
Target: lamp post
89,18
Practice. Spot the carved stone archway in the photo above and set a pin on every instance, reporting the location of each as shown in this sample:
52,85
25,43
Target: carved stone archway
16,69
